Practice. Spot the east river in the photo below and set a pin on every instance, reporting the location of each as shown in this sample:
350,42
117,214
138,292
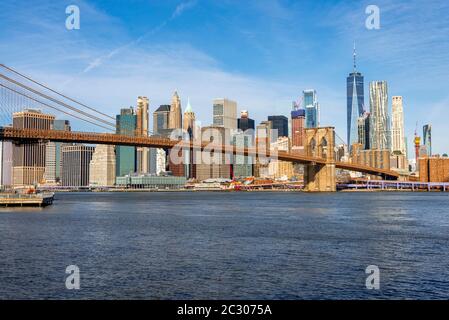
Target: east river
237,245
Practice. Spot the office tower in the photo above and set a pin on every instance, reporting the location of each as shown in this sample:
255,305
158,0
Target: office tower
189,126
29,157
277,168
225,113
427,136
102,166
175,117
75,165
355,102
298,126
189,119
53,154
126,157
397,132
161,119
312,108
5,163
219,165
279,124
364,130
380,130
243,165
245,122
263,145
142,129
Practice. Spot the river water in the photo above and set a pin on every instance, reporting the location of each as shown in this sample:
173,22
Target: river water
255,245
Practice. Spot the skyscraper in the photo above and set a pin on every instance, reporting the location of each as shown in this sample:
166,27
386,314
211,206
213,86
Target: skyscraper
312,108
142,129
189,119
427,138
380,130
225,113
175,115
355,102
102,166
298,125
126,157
398,136
5,163
279,123
53,154
29,157
245,122
364,130
75,165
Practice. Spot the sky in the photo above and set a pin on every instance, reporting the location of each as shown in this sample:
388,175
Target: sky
262,54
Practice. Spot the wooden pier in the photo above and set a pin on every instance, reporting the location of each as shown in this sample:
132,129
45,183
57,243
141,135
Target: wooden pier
22,200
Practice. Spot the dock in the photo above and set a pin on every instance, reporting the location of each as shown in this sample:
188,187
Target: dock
22,200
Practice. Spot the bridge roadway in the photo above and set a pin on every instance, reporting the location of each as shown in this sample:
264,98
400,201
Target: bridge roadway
13,134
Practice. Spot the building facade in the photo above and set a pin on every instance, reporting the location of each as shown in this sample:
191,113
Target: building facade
126,156
380,131
298,126
225,113
312,108
245,122
279,124
75,165
175,115
142,129
427,138
29,158
355,102
102,166
364,130
397,129
5,163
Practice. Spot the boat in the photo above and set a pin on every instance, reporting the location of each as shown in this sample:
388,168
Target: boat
29,197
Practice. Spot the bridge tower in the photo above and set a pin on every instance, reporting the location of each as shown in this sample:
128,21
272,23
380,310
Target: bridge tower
320,143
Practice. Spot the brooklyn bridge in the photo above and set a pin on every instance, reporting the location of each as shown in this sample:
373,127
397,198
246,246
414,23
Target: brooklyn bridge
19,91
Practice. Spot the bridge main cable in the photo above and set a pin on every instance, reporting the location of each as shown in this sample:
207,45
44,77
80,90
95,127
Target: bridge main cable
54,91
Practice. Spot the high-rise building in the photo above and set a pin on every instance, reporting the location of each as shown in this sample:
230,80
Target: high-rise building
75,165
263,145
126,157
312,108
161,122
29,157
142,129
161,119
427,138
53,154
298,126
243,165
380,130
189,119
217,165
355,102
277,168
175,117
5,163
102,166
279,123
189,126
364,130
397,130
225,113
245,122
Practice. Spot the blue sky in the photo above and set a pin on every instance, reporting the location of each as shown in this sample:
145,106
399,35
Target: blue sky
260,53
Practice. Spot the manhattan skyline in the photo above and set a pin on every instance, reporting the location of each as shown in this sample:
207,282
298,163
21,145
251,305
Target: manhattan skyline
278,49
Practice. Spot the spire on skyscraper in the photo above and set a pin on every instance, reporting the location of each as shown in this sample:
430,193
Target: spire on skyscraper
355,59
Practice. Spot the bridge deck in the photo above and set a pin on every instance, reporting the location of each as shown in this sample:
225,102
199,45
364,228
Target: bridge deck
159,142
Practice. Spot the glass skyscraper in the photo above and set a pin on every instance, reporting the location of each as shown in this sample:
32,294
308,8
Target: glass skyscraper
126,157
427,136
355,103
381,129
312,108
279,123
